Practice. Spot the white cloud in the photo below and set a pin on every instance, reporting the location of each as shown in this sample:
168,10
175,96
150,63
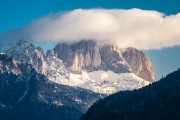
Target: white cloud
126,28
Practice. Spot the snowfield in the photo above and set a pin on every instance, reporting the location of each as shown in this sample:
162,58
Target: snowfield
106,82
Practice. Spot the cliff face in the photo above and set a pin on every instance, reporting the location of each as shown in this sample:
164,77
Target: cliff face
140,64
113,60
88,55
80,55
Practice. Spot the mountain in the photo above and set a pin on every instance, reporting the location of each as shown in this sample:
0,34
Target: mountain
100,81
91,57
66,81
88,65
139,63
103,69
26,52
158,101
29,95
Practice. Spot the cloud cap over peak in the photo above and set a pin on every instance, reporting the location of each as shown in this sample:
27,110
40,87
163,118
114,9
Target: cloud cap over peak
137,28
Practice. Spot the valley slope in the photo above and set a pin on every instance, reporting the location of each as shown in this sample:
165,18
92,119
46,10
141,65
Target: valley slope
26,94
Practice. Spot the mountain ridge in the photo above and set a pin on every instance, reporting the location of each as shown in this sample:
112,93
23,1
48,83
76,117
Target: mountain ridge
74,64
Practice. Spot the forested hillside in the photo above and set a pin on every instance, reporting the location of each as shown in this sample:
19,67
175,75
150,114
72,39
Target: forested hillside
158,101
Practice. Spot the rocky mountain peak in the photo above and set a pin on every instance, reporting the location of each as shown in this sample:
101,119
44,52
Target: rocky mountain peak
26,52
91,57
84,54
80,64
140,63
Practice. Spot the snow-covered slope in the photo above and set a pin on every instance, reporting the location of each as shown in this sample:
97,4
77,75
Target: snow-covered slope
109,82
106,82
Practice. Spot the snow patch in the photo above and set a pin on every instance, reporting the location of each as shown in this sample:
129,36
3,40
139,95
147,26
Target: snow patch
1,53
57,103
78,100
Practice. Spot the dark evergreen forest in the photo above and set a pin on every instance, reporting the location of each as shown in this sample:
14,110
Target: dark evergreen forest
158,101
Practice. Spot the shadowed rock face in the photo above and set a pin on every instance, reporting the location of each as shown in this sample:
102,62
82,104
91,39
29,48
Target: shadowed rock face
5,57
88,55
112,59
8,64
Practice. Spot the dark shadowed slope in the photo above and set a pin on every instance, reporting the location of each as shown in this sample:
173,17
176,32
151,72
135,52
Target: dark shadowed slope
26,94
158,101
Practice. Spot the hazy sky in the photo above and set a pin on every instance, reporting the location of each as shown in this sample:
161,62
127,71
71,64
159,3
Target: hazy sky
161,20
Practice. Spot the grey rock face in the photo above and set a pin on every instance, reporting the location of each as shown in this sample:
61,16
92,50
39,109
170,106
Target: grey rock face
113,60
88,55
80,55
140,64
28,53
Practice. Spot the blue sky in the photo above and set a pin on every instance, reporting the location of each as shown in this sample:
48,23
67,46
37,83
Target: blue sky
165,60
17,13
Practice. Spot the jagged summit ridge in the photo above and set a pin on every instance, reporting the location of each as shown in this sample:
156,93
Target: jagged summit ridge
26,52
91,57
106,69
